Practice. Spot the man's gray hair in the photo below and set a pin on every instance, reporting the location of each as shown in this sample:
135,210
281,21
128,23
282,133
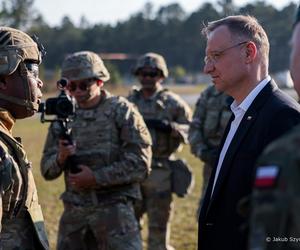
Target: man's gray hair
243,27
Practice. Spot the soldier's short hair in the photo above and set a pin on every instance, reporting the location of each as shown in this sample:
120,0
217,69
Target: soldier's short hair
243,27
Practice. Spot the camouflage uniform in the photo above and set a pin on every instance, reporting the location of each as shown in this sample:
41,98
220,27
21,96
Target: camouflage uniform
275,201
275,220
210,118
163,105
113,141
22,223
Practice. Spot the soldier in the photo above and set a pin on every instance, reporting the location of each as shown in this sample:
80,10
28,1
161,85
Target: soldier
210,118
167,116
113,152
295,55
275,221
22,223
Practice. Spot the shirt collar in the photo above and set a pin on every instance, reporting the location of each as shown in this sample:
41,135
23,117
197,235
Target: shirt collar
245,104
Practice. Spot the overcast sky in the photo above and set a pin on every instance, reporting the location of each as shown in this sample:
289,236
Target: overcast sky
111,11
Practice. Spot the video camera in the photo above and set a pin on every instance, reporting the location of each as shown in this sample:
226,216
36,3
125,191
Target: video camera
63,107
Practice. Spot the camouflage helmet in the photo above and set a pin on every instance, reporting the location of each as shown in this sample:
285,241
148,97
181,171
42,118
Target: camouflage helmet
16,47
83,65
152,60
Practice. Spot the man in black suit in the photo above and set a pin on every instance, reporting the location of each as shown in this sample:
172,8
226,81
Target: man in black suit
237,59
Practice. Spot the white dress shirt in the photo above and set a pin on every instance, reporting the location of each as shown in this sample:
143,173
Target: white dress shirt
239,112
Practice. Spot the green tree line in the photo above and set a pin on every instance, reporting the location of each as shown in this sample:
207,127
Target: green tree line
169,31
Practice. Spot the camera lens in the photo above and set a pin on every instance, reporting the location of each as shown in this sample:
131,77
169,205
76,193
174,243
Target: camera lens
64,107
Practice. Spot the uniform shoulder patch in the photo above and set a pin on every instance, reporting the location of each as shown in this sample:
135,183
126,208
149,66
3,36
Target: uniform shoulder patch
266,176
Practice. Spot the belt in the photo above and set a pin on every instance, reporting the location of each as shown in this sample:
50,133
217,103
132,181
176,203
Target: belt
98,199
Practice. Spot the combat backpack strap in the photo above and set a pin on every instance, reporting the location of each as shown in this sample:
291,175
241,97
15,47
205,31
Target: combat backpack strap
5,170
161,92
10,142
135,94
18,156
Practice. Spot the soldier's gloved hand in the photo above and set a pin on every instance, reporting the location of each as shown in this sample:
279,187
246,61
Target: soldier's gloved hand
64,151
84,179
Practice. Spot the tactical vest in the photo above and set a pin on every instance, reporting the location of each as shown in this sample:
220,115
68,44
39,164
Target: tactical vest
96,135
161,107
22,194
98,144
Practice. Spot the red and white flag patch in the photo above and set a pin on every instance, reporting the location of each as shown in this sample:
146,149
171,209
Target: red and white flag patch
266,176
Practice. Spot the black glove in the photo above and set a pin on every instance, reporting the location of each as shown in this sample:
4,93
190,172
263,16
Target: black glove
160,125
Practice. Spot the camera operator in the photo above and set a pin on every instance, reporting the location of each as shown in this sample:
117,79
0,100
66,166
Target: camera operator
112,149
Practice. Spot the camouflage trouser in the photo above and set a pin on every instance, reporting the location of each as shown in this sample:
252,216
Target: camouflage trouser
206,173
157,203
110,227
19,234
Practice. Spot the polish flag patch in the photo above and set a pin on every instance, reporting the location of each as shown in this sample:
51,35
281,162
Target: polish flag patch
266,176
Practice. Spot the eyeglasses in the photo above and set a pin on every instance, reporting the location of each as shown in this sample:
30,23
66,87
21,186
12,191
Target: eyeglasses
151,74
82,85
215,55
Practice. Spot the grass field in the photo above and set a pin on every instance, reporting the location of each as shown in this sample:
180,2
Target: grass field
184,225
179,89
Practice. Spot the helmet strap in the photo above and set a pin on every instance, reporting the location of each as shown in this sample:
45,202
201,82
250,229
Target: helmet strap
24,74
28,104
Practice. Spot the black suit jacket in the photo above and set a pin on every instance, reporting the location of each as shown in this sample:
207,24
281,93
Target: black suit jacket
221,226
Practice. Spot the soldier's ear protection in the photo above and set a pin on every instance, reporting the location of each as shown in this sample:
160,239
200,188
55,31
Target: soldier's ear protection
9,61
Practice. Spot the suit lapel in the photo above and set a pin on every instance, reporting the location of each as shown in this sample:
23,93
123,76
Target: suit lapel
246,123
207,200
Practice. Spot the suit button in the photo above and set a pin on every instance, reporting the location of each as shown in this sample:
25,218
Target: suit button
209,224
